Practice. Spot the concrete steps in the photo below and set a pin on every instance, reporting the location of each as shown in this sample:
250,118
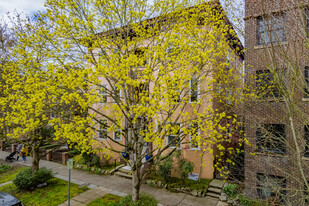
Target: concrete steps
213,194
124,172
215,188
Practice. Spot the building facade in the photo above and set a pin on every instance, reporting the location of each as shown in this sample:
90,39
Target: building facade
195,91
276,165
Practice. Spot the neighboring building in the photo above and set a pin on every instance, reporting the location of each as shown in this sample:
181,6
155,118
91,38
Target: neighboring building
275,32
191,150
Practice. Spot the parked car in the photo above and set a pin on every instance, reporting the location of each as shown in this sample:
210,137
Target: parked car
9,200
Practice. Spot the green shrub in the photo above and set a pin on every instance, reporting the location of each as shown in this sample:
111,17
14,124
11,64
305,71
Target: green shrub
147,200
165,169
95,160
90,159
4,168
184,167
97,171
230,190
244,201
26,180
74,152
191,184
144,200
43,174
126,201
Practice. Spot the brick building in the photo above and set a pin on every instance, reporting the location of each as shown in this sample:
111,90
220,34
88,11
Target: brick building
277,55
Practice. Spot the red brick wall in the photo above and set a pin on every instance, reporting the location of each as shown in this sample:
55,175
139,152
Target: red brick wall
272,112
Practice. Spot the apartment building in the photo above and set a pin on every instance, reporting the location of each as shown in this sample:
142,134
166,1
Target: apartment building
193,97
276,166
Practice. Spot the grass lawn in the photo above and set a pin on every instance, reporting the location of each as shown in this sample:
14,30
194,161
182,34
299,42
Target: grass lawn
8,172
175,182
55,193
106,200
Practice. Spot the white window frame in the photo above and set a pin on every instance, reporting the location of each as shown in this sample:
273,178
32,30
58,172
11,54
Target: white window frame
102,130
102,94
190,136
114,135
198,91
167,138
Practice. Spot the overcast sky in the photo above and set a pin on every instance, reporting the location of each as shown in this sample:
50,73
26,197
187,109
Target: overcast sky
28,7
21,6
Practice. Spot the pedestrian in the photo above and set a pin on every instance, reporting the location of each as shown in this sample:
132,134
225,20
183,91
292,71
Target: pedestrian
24,152
19,147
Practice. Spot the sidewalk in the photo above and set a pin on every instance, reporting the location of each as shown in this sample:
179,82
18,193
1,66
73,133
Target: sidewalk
87,197
118,185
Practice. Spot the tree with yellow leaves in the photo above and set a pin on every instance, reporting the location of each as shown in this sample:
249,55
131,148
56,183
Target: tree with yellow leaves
29,102
7,40
150,77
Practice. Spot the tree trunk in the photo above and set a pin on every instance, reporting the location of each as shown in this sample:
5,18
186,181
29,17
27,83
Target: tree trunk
136,185
35,157
201,167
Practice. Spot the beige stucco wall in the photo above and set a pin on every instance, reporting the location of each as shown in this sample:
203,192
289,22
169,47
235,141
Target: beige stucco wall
193,155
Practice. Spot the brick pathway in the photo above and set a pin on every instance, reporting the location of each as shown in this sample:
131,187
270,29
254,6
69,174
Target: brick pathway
118,186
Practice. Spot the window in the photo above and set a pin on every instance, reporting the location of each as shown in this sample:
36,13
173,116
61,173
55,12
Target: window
195,131
140,53
141,91
103,94
173,138
194,90
117,135
229,60
265,84
172,50
117,94
271,29
271,138
306,130
102,130
306,74
270,186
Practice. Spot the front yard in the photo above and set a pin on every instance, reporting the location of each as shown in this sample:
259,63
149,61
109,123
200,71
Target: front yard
9,171
55,193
